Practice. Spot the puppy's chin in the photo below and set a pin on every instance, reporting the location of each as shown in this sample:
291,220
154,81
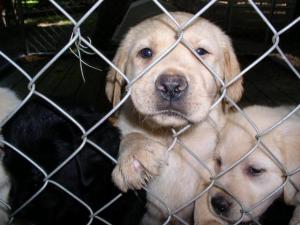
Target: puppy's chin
174,119
233,218
169,120
235,213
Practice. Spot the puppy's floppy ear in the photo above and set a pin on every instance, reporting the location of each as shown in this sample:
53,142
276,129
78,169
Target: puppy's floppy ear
289,144
114,81
231,69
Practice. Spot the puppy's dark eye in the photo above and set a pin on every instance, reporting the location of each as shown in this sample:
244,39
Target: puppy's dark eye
146,53
252,171
201,51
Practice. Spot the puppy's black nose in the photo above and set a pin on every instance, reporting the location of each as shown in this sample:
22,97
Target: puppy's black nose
171,87
220,204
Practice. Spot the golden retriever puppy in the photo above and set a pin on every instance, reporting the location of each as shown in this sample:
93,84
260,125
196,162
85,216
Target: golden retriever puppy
8,102
253,183
177,91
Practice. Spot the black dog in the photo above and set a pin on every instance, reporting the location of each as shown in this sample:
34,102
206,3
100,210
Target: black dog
48,138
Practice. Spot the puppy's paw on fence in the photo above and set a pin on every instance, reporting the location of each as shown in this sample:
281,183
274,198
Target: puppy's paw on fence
140,159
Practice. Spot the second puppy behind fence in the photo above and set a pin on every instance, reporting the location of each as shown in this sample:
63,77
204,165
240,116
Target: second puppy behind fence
47,137
267,167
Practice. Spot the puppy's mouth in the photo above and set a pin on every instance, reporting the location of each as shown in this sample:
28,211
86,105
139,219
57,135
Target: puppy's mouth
169,118
234,221
171,113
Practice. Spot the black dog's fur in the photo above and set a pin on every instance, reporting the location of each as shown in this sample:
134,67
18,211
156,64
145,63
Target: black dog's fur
48,138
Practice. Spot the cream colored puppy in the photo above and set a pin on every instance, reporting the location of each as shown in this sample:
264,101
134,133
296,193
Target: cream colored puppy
8,102
255,178
179,90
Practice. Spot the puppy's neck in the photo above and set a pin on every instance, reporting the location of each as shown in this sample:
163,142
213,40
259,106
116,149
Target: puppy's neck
214,122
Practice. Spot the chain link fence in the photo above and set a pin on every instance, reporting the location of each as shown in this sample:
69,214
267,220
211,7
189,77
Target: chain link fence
78,42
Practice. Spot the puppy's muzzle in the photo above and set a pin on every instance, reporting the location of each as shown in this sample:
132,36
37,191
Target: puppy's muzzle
220,204
171,87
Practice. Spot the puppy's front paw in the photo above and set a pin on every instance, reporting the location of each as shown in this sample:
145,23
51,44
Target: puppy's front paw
140,159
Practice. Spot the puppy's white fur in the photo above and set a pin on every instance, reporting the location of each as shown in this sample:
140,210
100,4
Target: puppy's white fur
8,102
146,130
236,139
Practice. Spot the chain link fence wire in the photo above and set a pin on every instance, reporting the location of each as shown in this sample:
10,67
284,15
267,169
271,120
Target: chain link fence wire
80,45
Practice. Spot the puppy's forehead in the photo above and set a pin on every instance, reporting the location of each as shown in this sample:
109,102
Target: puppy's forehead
239,142
235,141
260,158
160,27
